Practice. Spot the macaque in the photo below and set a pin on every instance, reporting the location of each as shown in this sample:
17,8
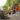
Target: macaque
15,8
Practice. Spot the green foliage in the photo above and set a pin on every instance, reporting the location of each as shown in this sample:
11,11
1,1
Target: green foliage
9,3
